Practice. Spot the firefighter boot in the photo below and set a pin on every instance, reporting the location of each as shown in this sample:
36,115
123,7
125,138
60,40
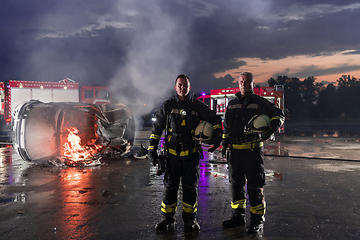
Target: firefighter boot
167,223
255,227
190,222
256,223
237,218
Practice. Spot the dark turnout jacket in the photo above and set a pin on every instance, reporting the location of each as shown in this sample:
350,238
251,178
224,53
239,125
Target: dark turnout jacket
181,119
240,111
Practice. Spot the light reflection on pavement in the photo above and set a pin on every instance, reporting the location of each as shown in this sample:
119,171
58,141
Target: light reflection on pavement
125,194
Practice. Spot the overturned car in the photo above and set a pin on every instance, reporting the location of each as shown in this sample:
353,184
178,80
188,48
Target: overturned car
76,133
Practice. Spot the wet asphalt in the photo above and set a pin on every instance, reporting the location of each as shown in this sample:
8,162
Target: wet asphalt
312,192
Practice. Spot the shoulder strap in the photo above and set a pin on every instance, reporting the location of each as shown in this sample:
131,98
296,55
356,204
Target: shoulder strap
167,113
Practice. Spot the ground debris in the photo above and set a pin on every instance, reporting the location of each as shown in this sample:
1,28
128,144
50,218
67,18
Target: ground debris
62,162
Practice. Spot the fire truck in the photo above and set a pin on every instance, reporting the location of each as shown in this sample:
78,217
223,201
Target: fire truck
15,92
220,98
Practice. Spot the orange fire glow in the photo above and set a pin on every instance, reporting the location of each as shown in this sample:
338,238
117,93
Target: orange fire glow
74,151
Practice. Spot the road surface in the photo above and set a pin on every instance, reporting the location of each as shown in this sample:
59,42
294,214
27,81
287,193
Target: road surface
312,192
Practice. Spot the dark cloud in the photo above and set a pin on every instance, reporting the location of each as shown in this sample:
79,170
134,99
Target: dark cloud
139,47
201,82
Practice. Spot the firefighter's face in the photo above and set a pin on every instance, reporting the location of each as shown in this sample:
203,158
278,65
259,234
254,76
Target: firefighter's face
182,87
245,84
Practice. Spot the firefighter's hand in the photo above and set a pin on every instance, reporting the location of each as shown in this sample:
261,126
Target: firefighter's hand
160,168
153,156
217,140
267,134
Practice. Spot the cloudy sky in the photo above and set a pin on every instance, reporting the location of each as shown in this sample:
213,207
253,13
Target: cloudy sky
138,47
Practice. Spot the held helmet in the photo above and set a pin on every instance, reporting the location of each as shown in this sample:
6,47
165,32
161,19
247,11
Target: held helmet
204,132
258,123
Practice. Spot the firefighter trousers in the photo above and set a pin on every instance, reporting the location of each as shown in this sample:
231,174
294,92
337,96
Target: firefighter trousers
186,172
246,168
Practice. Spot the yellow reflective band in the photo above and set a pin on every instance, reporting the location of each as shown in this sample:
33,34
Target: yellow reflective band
217,126
177,111
253,105
192,130
248,145
154,136
190,208
259,209
239,204
235,106
150,148
278,118
182,153
225,136
168,208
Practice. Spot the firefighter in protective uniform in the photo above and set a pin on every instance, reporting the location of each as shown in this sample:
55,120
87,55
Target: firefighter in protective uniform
179,117
245,160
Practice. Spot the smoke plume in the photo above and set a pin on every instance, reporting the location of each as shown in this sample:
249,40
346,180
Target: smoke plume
153,60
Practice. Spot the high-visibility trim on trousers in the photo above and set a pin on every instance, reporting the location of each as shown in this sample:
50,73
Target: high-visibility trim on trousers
189,208
182,153
168,208
259,209
239,204
248,145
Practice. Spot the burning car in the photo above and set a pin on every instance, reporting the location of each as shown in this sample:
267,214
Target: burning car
77,133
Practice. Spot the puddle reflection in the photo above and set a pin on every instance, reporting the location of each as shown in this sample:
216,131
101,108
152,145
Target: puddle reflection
211,174
12,167
77,202
75,193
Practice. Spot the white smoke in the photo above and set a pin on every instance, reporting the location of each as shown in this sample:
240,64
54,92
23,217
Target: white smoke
153,60
151,44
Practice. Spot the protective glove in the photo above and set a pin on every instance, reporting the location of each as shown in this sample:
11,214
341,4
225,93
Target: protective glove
267,134
153,156
217,142
160,168
225,144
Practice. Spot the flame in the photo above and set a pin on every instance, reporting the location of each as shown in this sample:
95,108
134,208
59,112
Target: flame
74,152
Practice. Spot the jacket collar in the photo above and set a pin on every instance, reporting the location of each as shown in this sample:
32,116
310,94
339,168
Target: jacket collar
239,96
188,98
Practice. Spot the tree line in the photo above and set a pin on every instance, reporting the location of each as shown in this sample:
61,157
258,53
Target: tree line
308,99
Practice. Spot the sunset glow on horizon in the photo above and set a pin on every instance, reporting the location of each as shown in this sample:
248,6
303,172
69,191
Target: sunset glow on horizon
301,66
